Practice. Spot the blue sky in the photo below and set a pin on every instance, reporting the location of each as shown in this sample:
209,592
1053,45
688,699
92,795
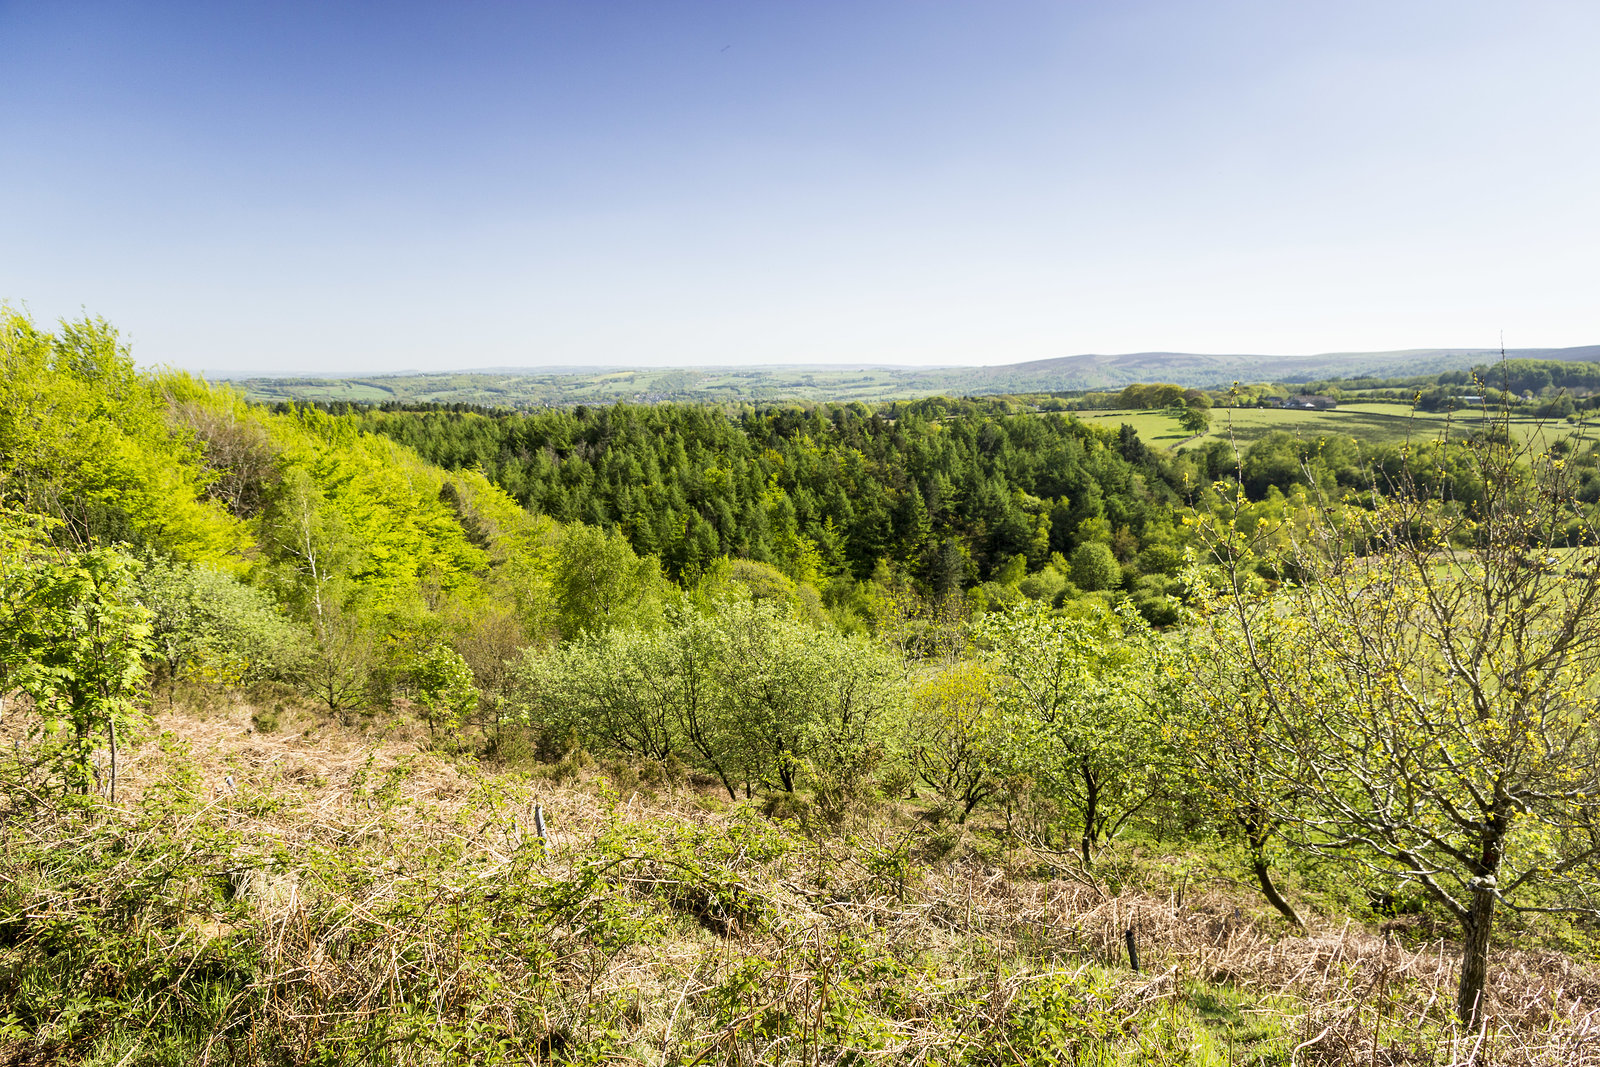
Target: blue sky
279,186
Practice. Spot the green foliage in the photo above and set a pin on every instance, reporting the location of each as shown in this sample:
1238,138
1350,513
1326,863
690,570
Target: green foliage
85,438
1094,567
442,682
22,538
76,642
599,582
208,626
1225,735
820,494
738,578
1074,702
337,669
1056,1018
1425,683
314,553
1194,419
952,716
744,693
375,552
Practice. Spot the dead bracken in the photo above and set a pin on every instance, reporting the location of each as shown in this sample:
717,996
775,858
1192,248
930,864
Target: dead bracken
265,894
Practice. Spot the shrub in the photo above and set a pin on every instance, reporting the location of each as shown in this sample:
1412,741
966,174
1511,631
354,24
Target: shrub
1095,567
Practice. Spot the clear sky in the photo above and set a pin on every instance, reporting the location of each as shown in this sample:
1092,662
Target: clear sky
328,186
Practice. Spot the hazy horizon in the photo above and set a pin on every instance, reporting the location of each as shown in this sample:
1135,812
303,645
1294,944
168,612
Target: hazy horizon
573,369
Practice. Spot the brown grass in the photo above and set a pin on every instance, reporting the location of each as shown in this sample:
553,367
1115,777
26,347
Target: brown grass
355,854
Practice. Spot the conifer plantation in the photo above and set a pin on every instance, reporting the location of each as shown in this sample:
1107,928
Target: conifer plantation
941,731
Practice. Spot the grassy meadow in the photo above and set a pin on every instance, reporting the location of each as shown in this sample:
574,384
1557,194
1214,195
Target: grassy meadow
1370,423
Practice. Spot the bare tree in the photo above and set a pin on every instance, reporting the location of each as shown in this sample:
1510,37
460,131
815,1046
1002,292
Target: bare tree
236,450
1429,675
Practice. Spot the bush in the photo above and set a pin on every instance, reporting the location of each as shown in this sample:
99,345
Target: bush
1095,567
443,685
211,628
1043,584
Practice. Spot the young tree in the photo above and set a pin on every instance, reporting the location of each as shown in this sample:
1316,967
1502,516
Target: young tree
209,626
753,696
1094,567
443,685
337,667
491,642
950,713
1074,696
1193,419
1433,713
769,693
80,646
312,546
688,655
22,539
315,554
853,711
1223,733
598,580
606,688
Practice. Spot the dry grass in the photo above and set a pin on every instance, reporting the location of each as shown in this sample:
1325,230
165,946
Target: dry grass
397,905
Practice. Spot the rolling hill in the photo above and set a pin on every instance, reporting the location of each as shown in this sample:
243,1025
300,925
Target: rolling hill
542,387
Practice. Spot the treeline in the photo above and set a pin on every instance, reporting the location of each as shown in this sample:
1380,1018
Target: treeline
1542,387
1537,387
968,497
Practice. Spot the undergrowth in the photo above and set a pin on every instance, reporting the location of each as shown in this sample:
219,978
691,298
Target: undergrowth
324,898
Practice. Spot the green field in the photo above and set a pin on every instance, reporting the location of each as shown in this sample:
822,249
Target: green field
513,389
1372,423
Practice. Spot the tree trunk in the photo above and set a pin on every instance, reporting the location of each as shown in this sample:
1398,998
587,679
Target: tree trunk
1258,828
1091,805
111,734
1270,891
1476,928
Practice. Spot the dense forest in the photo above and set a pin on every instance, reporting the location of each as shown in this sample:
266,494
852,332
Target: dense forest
952,500
695,734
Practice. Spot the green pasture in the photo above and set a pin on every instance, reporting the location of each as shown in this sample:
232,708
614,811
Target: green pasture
684,385
1371,422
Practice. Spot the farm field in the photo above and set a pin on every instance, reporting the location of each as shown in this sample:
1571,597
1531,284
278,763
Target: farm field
1373,423
513,389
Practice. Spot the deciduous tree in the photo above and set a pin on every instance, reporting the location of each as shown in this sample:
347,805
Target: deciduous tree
80,646
1434,713
1074,697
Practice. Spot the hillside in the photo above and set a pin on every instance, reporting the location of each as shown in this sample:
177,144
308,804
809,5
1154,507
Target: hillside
754,385
310,893
943,731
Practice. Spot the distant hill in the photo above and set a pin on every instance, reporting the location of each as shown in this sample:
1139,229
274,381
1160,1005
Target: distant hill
1208,371
542,387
